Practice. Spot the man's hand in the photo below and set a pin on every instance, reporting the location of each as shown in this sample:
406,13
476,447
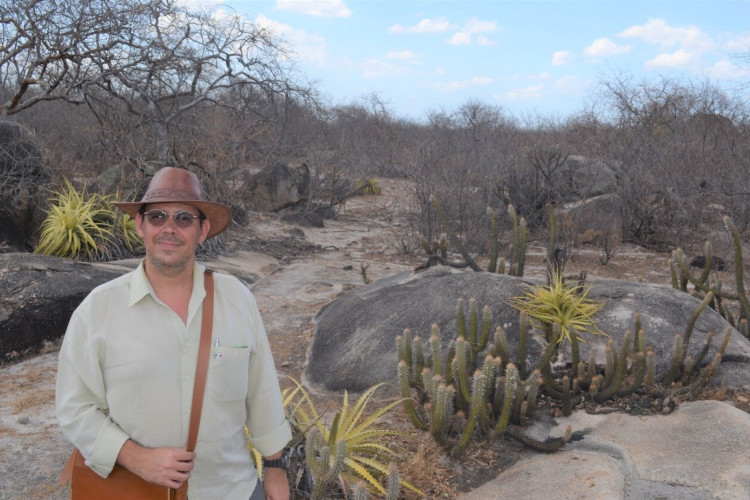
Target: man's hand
168,467
275,483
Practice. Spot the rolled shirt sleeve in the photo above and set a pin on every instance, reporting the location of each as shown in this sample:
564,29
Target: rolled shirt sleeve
266,419
80,400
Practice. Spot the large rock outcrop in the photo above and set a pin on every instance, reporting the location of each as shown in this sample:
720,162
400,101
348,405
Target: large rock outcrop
38,294
354,343
698,452
276,186
586,177
596,220
23,179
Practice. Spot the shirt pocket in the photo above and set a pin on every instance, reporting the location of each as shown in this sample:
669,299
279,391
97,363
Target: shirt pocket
228,373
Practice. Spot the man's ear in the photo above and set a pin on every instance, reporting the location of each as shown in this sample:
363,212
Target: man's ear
205,228
138,223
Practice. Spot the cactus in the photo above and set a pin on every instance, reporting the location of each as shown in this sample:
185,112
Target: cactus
523,333
677,357
492,264
437,364
393,483
566,396
501,344
703,283
521,263
511,385
691,323
360,491
550,386
455,241
323,468
552,232
533,391
475,411
650,368
403,379
461,368
515,238
740,283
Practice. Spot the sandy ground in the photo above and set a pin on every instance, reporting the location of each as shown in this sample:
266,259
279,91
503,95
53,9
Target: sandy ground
290,289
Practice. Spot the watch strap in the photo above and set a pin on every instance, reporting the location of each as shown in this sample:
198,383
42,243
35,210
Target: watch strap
279,462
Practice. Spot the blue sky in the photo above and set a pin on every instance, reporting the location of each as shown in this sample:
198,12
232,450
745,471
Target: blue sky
531,58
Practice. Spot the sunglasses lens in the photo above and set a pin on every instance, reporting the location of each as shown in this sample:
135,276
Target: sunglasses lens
183,219
157,217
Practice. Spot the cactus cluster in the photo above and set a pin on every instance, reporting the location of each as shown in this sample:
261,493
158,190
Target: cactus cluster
437,251
517,257
469,389
472,389
704,284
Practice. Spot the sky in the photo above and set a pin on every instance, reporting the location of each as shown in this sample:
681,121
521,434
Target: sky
529,58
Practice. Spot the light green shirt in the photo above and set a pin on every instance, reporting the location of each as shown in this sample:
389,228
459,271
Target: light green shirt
126,370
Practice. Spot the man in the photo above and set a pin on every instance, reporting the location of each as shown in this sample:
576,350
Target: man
127,363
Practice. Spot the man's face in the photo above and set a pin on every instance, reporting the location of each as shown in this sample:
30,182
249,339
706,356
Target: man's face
170,249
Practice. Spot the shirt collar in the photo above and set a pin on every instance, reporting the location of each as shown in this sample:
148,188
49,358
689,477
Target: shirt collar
140,285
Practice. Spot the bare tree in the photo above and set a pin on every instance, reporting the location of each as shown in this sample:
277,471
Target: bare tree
55,50
154,60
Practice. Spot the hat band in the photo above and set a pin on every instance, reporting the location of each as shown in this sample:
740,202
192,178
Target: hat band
170,194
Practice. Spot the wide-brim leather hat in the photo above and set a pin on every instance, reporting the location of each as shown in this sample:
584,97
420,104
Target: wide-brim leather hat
177,185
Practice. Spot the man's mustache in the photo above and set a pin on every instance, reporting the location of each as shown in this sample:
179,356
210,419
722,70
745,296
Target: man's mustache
169,238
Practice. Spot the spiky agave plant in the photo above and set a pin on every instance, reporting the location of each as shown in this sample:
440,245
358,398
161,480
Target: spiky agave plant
76,224
562,303
352,434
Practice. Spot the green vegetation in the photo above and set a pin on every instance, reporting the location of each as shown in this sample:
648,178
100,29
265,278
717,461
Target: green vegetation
705,284
77,225
349,451
563,304
86,226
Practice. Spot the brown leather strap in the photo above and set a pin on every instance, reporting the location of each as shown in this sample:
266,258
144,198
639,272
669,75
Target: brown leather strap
67,473
199,385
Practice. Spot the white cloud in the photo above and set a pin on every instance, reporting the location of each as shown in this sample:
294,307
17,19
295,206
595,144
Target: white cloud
424,26
462,84
742,43
656,31
375,68
725,70
404,55
460,38
471,28
570,84
604,47
677,59
540,76
561,58
439,71
531,93
485,41
302,45
317,8
475,25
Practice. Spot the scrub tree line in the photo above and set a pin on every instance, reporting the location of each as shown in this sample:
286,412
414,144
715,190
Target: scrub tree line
127,82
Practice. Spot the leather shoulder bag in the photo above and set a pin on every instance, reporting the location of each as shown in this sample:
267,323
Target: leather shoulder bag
121,484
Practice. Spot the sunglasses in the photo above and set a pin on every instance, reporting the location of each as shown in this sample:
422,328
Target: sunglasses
158,218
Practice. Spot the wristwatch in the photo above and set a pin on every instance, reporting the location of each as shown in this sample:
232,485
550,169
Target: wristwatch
281,463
